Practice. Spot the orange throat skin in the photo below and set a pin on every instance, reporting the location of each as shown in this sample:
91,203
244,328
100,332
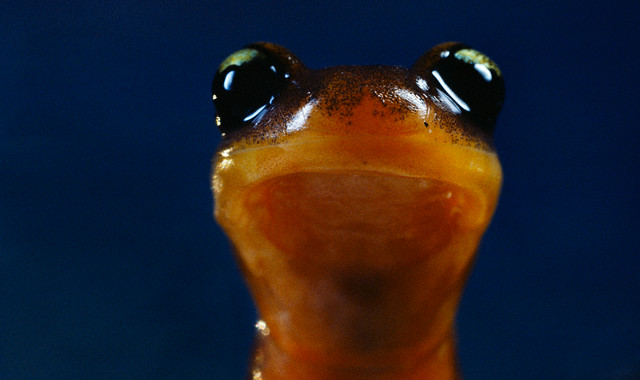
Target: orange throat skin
355,251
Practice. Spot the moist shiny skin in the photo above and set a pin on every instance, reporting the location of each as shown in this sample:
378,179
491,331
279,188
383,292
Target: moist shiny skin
355,201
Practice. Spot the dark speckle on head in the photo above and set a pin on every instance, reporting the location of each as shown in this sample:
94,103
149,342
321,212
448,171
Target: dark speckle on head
451,87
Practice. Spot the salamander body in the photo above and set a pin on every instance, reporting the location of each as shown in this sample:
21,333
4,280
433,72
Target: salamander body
355,198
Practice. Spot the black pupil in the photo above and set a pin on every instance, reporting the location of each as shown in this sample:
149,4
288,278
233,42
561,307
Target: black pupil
242,90
477,89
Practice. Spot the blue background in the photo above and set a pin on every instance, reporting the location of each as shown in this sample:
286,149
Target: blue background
111,266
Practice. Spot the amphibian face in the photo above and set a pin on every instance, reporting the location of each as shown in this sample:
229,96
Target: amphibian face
355,198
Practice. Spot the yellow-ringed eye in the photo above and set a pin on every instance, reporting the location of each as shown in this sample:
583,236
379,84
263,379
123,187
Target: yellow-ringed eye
245,84
468,78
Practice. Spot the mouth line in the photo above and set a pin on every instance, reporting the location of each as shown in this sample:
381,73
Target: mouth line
294,142
397,156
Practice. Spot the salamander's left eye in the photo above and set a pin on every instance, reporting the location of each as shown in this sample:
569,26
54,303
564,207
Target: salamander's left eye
246,83
471,79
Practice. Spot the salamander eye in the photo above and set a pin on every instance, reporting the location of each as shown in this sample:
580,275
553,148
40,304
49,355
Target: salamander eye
471,79
246,83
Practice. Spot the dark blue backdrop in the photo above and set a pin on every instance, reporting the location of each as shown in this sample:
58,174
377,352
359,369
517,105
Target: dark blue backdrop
111,266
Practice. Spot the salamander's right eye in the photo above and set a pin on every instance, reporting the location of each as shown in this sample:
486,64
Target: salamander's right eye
469,78
246,83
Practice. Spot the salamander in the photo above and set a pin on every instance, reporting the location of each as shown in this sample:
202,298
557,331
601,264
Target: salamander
355,198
